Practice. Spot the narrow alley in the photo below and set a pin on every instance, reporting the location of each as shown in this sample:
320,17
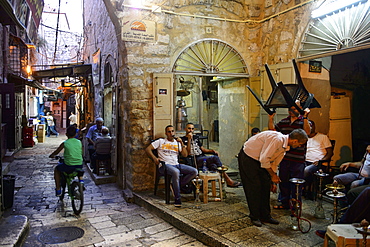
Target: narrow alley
106,219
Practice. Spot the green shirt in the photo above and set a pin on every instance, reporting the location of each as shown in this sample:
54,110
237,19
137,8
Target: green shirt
73,152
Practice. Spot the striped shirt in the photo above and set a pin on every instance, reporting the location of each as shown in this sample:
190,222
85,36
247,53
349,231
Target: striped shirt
285,126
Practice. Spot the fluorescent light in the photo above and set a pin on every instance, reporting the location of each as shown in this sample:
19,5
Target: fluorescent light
331,6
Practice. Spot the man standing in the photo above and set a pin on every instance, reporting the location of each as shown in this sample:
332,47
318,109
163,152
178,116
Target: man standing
72,119
196,151
258,164
51,125
293,164
168,151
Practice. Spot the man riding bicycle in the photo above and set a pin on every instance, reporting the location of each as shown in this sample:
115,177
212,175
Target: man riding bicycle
72,158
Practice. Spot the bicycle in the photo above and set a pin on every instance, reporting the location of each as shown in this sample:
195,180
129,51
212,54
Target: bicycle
75,188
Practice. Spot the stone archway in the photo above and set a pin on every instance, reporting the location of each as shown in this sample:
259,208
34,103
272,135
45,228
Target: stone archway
210,57
338,32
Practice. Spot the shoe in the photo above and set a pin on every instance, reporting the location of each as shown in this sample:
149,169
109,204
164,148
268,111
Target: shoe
271,221
58,192
57,134
320,233
177,203
257,223
235,184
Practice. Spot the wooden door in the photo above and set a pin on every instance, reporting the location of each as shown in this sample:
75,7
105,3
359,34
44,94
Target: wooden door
18,120
163,103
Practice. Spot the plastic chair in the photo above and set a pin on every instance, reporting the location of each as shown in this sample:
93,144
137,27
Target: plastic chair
203,133
167,179
103,166
167,182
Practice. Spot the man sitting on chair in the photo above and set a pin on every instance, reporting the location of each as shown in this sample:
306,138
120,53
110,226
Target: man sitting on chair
318,148
168,152
197,151
102,147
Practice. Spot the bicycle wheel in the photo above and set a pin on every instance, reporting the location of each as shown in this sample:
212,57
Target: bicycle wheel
77,197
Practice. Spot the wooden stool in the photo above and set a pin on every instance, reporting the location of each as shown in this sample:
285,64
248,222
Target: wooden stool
103,166
210,176
343,235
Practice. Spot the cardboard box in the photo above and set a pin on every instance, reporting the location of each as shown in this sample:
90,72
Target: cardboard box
41,134
41,127
41,139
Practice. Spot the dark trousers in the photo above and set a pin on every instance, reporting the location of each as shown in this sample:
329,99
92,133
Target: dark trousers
359,208
256,184
287,170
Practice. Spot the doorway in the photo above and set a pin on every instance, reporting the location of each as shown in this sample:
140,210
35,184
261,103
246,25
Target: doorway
210,91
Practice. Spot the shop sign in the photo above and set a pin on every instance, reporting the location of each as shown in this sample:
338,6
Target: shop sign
139,31
315,66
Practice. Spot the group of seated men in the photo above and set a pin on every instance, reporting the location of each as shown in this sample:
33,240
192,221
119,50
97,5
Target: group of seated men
193,153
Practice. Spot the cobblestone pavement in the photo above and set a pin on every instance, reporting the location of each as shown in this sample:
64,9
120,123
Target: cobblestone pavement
226,223
107,219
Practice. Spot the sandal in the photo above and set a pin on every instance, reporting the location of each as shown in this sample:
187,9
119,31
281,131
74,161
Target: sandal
280,207
235,184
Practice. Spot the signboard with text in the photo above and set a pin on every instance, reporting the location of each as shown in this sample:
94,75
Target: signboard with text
139,31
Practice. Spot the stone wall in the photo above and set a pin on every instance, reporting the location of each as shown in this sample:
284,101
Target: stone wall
272,41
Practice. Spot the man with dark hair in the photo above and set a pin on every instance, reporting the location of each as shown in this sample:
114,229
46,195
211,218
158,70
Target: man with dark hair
292,165
168,151
72,157
318,148
196,151
258,164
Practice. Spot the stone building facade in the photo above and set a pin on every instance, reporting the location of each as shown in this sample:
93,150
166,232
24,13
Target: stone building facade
259,32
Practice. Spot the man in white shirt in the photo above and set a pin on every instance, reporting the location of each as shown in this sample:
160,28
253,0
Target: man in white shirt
168,152
318,148
355,179
258,164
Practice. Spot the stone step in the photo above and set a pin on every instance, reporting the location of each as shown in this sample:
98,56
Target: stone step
13,230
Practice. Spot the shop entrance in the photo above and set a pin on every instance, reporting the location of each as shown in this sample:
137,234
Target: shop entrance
210,91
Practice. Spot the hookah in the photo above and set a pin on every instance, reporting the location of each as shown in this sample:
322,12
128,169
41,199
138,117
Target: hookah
222,170
296,207
364,230
319,210
335,194
196,181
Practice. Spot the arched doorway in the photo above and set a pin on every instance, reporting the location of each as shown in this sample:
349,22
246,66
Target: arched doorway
210,78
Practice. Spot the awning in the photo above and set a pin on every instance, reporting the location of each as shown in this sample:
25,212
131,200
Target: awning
71,71
20,82
7,16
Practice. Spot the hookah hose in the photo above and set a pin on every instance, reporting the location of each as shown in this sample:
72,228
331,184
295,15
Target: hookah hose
293,203
192,149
